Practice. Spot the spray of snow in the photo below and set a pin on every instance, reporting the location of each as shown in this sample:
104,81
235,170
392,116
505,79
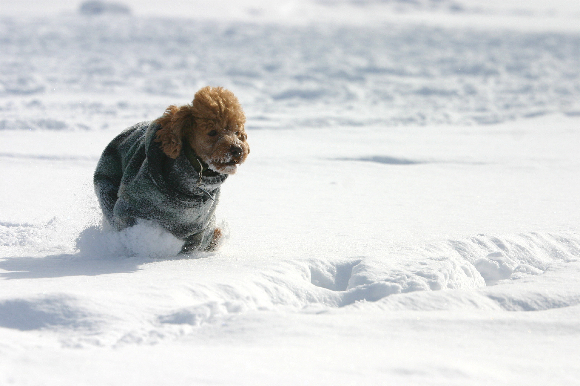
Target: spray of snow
145,239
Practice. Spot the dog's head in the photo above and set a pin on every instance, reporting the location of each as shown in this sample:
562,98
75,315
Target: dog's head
213,125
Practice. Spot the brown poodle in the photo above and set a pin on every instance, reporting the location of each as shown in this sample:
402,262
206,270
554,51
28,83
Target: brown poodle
170,170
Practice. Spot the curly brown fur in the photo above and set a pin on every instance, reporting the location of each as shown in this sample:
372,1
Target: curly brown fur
213,125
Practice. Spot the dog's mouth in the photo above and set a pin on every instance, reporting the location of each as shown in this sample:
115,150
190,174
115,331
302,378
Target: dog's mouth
225,167
227,163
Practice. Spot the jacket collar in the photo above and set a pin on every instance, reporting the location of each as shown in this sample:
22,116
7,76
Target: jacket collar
200,167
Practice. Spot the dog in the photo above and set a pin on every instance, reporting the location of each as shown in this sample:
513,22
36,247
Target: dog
170,170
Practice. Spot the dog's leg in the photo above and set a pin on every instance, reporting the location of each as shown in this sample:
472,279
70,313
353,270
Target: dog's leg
195,242
215,240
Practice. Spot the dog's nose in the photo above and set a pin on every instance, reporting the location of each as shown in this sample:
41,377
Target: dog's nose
236,151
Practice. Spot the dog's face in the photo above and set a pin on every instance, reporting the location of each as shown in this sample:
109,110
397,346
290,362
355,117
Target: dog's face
221,143
213,126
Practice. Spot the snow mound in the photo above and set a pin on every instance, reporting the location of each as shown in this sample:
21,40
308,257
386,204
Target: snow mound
33,124
403,5
96,7
55,311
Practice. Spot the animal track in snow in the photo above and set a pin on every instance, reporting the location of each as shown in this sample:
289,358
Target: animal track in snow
338,277
334,277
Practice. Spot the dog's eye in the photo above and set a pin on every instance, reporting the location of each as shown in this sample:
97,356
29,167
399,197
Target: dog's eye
212,133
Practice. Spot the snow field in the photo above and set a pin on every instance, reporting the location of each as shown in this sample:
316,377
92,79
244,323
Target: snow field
408,213
334,75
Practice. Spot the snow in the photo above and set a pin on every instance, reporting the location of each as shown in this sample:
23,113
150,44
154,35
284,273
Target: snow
408,213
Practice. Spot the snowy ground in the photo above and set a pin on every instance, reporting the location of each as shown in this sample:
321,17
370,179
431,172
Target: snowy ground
408,214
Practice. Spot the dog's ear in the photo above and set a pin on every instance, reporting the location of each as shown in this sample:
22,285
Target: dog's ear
175,122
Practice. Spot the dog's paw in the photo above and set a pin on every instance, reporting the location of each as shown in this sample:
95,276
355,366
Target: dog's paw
216,240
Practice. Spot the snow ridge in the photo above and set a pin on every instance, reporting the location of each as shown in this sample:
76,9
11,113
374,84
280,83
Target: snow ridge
456,274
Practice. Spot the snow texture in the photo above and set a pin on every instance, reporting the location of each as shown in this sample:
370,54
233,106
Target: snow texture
408,215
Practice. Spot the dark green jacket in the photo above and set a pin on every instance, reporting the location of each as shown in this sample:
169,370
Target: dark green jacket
134,180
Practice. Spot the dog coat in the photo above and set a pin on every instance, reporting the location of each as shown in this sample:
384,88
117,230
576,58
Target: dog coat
134,180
